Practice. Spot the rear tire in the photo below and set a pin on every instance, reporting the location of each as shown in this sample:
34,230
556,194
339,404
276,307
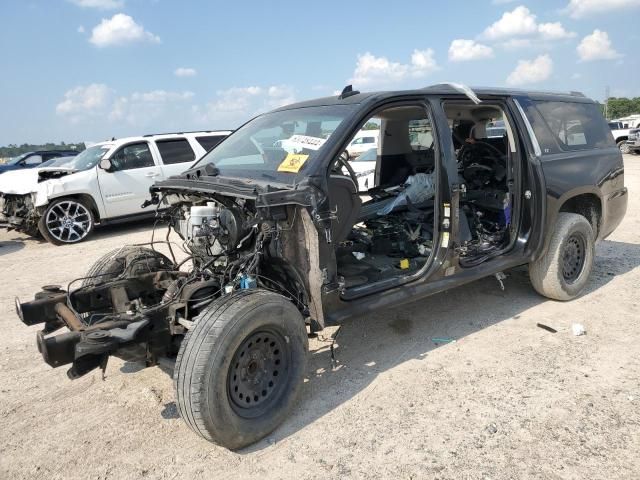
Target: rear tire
240,368
563,271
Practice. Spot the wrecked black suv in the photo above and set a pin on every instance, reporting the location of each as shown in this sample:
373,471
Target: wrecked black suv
281,242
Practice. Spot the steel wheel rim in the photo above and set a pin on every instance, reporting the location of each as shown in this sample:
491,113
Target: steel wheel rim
259,373
574,255
68,221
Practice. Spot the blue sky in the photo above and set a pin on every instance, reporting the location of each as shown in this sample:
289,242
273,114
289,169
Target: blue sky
86,70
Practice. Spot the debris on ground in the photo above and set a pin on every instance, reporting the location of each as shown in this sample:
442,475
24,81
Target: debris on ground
438,340
578,329
546,327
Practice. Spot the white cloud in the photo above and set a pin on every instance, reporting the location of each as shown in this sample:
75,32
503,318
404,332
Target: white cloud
99,4
554,31
144,109
119,30
520,29
583,8
99,106
236,105
185,72
520,21
371,70
531,71
85,101
596,46
463,50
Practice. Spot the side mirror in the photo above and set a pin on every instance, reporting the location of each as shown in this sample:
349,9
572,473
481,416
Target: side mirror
105,164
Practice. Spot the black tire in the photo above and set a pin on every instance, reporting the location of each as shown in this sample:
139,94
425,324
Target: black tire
66,221
563,271
112,264
212,370
624,147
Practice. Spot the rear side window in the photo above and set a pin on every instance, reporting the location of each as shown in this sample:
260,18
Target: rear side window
569,126
210,141
175,151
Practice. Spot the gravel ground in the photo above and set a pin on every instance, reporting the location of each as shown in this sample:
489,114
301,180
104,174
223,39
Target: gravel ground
506,400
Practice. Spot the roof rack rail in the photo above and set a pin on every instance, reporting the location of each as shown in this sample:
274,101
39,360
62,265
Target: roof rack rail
191,131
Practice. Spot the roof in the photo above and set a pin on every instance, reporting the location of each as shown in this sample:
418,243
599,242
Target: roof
439,89
163,135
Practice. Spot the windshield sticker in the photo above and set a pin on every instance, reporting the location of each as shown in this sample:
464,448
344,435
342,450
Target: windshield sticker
299,142
292,163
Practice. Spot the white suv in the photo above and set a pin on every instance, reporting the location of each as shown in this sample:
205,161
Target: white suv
63,203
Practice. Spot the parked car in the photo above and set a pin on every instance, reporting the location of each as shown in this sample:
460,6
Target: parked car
64,202
282,243
34,159
364,140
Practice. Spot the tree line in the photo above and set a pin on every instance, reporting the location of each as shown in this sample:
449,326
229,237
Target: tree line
622,107
13,150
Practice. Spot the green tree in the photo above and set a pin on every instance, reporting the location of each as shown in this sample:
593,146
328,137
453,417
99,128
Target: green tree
622,107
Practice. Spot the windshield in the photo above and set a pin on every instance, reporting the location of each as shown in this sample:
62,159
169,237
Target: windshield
16,160
84,160
277,145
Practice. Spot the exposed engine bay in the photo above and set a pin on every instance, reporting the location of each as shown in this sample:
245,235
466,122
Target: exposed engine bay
140,303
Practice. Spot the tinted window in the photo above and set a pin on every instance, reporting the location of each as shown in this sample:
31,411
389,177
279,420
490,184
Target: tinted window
33,160
136,155
175,151
209,142
570,126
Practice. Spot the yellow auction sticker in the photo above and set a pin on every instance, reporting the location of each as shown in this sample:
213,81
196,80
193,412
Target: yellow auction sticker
292,163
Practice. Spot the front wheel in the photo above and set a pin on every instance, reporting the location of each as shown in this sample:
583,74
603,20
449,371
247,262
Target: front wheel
66,221
240,368
564,270
624,147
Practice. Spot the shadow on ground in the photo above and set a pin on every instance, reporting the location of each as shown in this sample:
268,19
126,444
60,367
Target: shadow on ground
11,246
367,347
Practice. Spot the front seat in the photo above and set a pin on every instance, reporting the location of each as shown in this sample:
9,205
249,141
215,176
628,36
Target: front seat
346,203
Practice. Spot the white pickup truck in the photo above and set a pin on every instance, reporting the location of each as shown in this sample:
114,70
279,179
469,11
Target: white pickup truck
620,131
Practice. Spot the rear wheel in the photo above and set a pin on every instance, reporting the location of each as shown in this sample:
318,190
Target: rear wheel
66,221
564,270
240,368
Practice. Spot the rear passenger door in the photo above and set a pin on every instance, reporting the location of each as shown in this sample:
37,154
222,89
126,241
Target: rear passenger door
176,155
126,185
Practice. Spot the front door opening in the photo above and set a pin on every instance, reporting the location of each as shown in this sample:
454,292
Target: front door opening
390,232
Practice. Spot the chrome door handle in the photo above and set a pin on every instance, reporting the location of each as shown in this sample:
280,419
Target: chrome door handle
151,174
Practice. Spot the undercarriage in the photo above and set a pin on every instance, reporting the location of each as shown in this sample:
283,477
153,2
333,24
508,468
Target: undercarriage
138,304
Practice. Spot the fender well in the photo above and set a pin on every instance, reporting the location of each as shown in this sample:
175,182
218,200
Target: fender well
85,198
589,206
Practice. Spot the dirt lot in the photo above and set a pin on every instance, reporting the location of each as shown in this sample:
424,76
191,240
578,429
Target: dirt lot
506,400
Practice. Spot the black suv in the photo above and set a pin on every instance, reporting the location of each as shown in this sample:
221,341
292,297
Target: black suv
34,159
281,242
